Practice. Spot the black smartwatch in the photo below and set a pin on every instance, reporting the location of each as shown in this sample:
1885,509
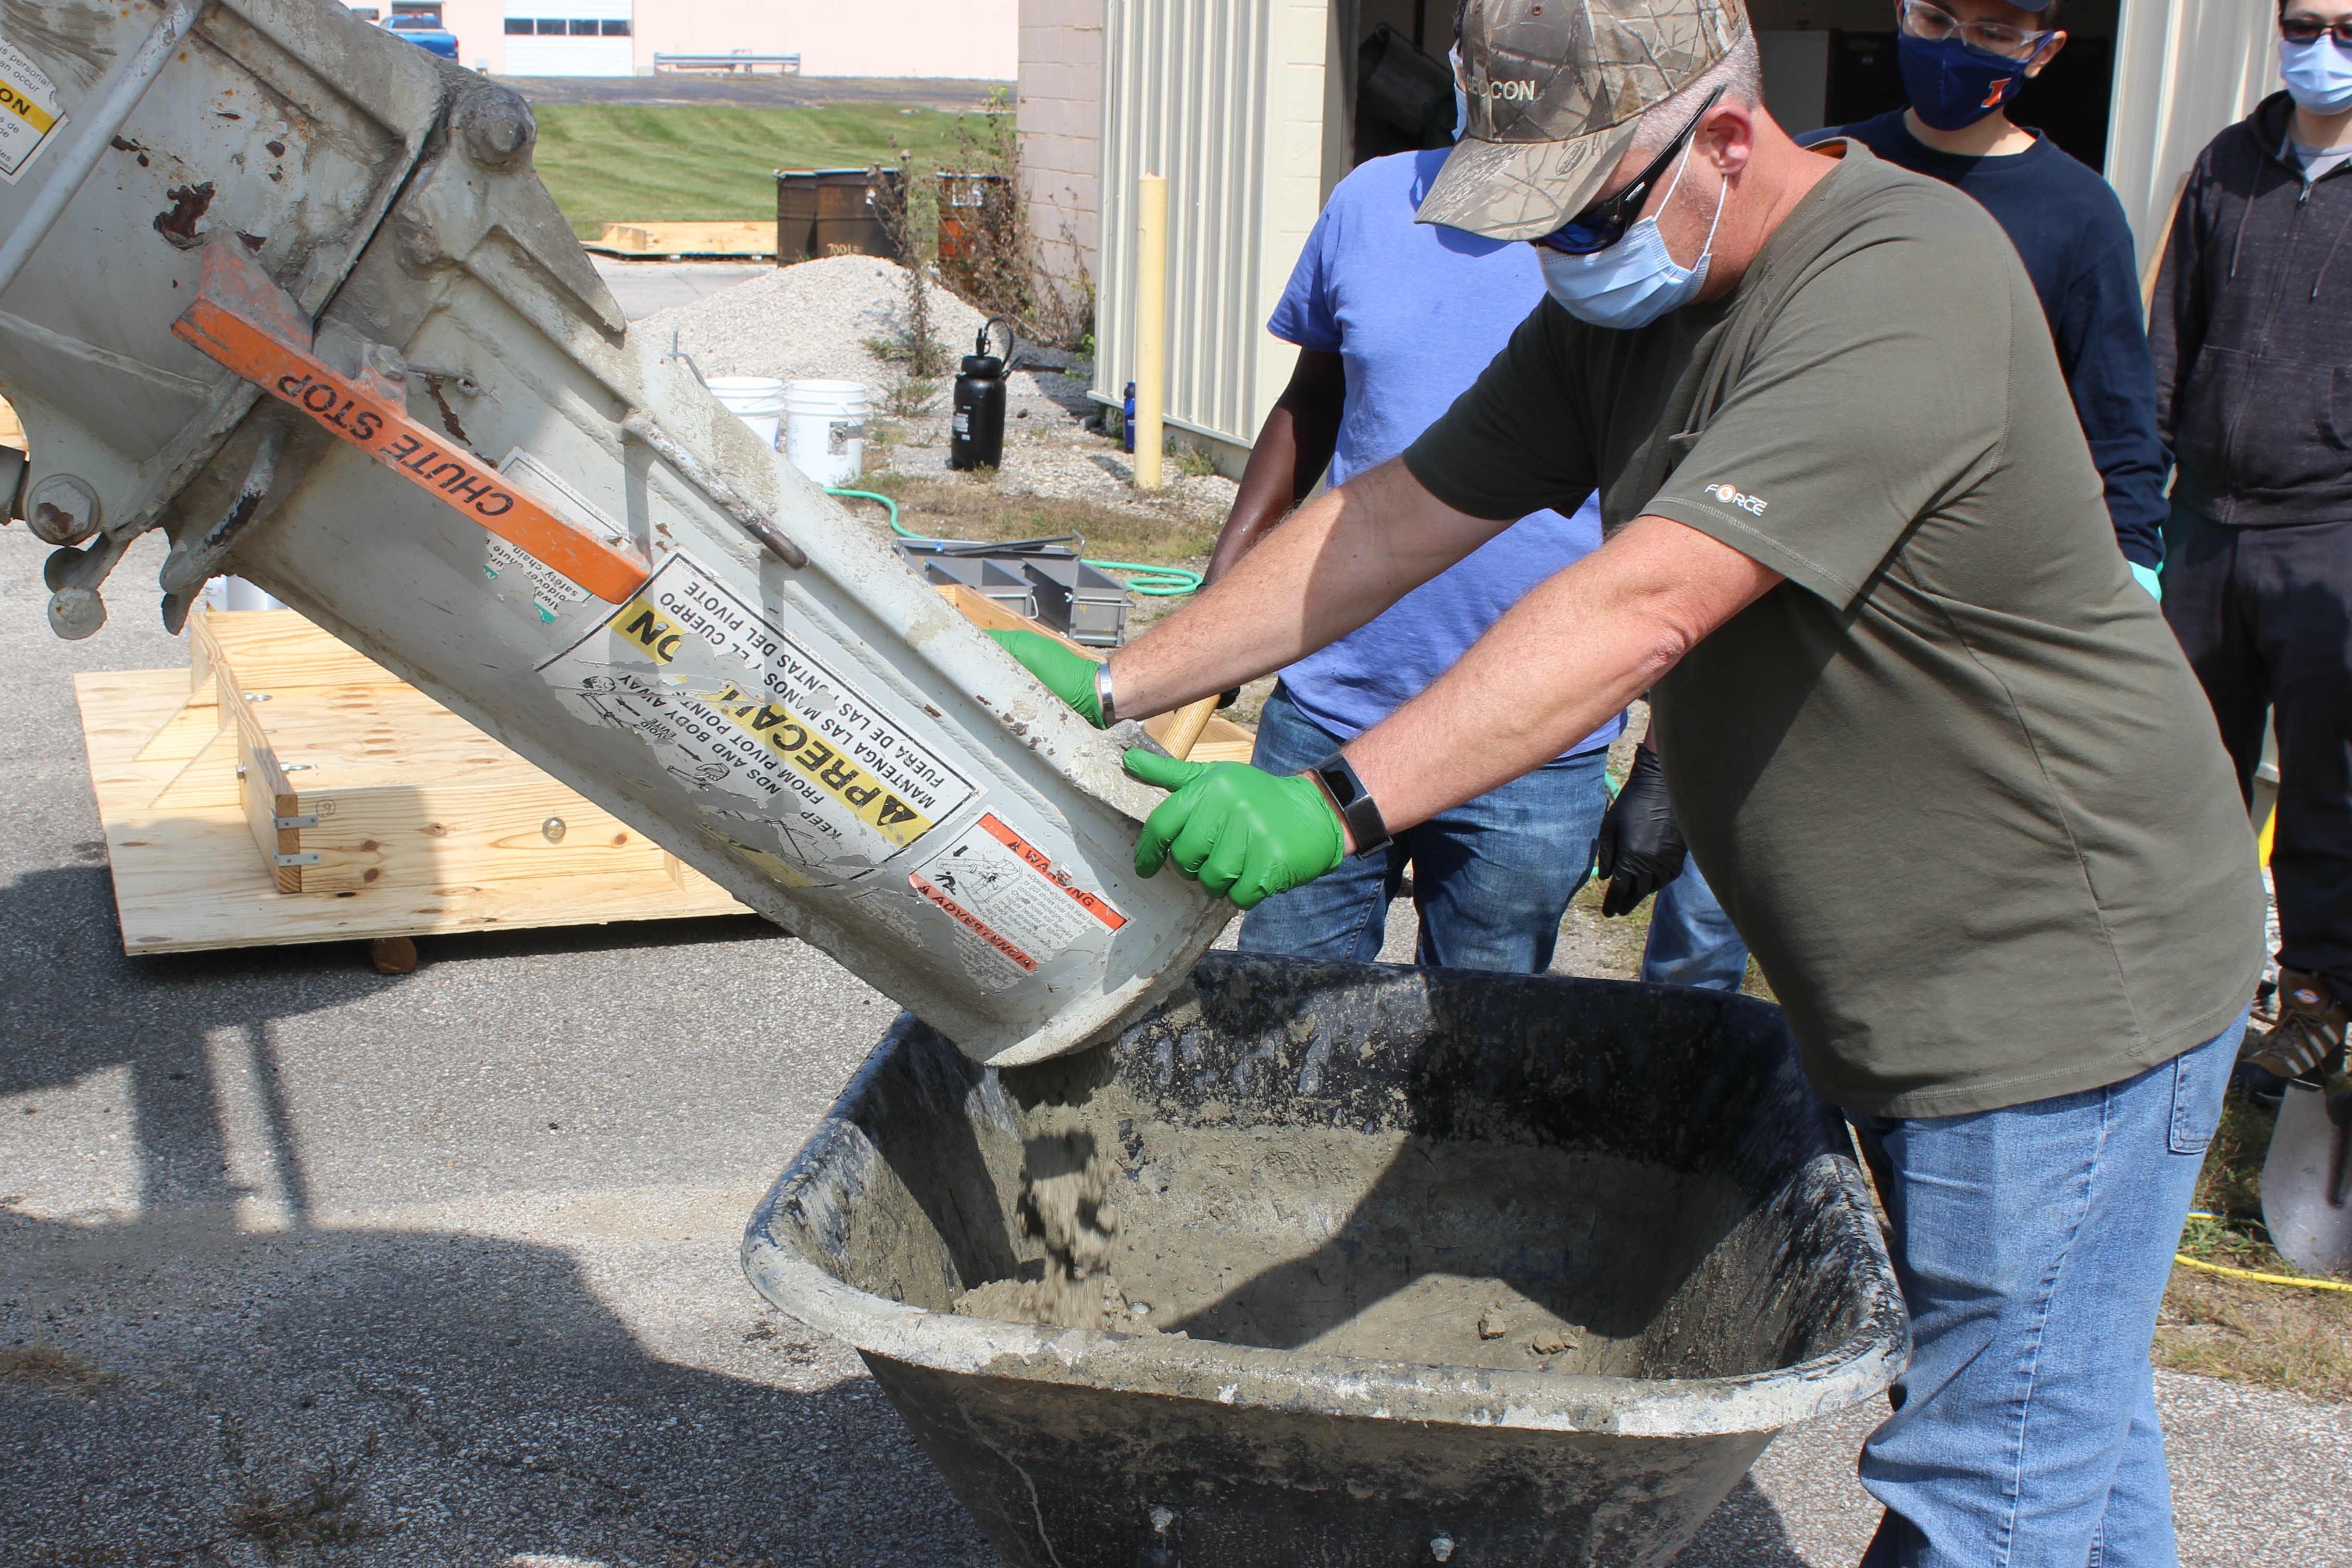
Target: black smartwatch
1356,808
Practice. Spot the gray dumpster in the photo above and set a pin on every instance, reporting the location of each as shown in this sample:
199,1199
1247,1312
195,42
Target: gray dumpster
1468,1268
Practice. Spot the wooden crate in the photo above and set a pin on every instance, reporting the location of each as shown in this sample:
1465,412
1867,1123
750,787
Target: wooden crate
284,789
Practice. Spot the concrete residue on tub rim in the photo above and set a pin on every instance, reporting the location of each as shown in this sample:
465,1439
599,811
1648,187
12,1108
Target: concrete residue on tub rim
814,1206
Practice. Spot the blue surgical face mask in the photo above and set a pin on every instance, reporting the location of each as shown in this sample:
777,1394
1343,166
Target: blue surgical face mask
2318,74
1635,280
1951,85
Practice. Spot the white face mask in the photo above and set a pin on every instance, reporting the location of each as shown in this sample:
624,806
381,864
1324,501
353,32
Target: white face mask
2318,74
1460,97
1635,280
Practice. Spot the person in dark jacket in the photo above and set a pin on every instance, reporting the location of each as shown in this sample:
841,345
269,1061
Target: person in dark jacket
2252,329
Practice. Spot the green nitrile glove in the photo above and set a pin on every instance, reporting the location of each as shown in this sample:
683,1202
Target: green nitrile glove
1069,676
2148,578
1244,834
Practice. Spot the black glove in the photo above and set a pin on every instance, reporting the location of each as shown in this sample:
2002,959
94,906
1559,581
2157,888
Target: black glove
1641,846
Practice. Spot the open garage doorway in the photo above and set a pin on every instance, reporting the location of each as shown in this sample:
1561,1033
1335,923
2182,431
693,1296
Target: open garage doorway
1831,62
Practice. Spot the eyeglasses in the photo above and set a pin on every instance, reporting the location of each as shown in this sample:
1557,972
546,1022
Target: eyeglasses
1604,223
2310,29
1935,25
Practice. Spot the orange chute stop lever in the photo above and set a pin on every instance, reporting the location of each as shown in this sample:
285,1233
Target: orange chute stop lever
249,323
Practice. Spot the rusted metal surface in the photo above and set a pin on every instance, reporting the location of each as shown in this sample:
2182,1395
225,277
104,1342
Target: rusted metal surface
158,99
178,224
74,164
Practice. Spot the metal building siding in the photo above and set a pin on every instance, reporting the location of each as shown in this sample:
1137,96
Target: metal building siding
2184,70
1225,99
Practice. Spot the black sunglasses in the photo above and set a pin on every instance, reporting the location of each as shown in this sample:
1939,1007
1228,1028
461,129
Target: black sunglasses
1604,223
2309,29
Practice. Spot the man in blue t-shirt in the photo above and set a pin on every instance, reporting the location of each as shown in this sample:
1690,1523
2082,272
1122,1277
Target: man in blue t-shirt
1962,61
1393,320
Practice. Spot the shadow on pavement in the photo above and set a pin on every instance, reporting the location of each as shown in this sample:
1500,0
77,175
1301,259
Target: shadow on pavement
487,1405
1744,1532
483,1393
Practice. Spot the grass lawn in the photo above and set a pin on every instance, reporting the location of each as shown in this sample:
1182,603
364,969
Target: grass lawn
635,164
969,510
2271,1334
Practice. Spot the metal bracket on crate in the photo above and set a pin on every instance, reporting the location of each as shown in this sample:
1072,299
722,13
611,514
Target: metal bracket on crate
244,319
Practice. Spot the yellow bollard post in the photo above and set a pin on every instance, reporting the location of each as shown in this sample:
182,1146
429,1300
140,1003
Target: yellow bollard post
1151,327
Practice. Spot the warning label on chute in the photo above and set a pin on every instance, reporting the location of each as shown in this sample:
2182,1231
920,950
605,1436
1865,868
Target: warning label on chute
28,110
551,591
733,706
1009,902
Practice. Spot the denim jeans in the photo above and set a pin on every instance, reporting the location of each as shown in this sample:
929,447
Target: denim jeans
1491,878
1692,941
2034,1244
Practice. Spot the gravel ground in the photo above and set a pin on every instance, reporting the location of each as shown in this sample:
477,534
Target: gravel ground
815,319
463,1242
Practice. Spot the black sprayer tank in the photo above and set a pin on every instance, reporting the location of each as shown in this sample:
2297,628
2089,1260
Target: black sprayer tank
977,437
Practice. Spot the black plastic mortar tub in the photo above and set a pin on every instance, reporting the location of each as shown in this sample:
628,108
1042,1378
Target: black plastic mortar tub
1336,1179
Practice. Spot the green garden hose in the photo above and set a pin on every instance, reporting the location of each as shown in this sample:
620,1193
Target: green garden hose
1154,582
1151,581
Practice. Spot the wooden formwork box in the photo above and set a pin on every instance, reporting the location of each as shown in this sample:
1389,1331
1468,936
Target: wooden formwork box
284,789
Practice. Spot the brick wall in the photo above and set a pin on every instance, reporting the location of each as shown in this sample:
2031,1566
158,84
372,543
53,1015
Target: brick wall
1060,103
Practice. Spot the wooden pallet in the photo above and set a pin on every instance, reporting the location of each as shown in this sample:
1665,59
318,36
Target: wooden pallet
400,818
647,241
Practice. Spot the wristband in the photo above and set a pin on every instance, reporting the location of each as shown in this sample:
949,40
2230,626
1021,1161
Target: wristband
1103,703
1356,808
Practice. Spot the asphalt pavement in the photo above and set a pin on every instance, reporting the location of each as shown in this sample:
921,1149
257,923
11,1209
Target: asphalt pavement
440,1269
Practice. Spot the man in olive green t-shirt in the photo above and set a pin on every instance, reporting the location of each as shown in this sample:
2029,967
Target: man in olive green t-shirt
1936,751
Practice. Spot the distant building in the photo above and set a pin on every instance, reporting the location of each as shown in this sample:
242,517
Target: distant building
1254,109
972,38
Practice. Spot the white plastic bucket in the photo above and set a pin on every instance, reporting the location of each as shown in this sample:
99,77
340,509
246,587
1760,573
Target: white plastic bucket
825,429
237,593
757,400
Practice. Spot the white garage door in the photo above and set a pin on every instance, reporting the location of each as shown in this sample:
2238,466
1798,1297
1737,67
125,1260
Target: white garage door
569,37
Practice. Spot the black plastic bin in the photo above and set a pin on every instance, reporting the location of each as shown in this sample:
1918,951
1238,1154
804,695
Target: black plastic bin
1312,1161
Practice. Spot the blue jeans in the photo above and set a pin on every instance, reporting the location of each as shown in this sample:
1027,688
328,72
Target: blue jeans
2034,1244
1491,879
1692,941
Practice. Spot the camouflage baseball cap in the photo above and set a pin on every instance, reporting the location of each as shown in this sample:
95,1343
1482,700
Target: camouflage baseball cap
1556,88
